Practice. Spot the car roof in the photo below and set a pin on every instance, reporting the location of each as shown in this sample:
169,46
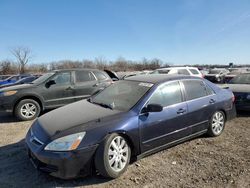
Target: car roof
168,68
159,78
81,69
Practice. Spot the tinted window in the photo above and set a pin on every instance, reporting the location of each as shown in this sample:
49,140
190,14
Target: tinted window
167,94
84,76
100,75
194,71
62,78
209,90
183,71
14,78
195,89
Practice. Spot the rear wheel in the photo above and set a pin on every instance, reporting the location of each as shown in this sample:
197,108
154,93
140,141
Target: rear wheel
27,109
113,156
217,124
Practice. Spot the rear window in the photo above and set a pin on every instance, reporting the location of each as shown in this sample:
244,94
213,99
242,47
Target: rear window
100,75
84,76
195,89
194,71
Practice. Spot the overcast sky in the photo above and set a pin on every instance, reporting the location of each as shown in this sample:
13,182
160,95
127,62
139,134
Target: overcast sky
176,31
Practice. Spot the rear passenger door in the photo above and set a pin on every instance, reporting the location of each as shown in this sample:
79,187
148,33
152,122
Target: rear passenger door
85,84
201,104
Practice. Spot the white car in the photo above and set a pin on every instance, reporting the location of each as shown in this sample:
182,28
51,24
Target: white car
192,71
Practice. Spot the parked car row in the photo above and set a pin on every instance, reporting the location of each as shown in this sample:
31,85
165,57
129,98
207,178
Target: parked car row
17,79
220,75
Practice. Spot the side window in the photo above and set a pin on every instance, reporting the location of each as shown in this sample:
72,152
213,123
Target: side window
14,78
173,71
167,94
84,76
194,71
209,90
100,75
62,78
183,71
194,89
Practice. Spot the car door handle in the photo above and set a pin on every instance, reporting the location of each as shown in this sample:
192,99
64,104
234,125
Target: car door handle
212,101
96,85
181,111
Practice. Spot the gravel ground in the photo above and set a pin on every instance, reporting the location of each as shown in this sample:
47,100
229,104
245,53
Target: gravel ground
203,162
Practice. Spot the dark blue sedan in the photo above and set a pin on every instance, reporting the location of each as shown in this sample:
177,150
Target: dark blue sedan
128,120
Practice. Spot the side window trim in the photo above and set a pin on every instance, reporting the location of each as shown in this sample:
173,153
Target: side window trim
185,94
94,76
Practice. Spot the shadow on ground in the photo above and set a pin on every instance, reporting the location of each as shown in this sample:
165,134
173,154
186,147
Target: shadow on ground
17,171
7,118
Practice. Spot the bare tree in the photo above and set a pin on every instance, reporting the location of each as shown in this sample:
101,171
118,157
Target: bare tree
8,67
23,56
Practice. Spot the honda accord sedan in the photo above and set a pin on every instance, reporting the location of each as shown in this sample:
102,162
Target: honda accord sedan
126,121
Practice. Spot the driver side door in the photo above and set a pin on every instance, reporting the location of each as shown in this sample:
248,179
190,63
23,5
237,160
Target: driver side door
60,92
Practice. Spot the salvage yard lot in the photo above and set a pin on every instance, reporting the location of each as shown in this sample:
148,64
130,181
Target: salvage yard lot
203,162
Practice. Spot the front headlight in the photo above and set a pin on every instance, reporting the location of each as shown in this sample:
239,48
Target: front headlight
8,93
66,143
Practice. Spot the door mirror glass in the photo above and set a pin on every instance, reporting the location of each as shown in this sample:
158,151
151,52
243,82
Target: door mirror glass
152,108
50,83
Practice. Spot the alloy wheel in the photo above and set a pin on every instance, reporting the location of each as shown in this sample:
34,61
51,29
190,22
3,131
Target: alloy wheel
118,154
218,123
28,110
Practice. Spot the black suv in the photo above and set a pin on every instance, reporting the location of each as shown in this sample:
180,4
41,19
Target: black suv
52,90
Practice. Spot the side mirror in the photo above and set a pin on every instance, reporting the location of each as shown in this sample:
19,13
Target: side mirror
152,108
114,79
50,83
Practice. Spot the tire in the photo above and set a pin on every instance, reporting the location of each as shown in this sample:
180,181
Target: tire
27,109
107,156
216,124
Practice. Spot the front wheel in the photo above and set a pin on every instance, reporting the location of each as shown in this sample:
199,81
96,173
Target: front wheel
27,109
113,156
217,124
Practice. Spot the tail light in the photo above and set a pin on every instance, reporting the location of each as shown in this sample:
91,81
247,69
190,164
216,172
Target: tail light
233,98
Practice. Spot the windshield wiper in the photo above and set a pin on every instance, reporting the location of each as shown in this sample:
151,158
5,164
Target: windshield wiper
103,105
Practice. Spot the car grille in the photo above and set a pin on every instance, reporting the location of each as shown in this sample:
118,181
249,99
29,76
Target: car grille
34,139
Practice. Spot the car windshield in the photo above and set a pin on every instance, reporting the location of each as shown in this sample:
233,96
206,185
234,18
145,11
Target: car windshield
121,95
241,79
43,78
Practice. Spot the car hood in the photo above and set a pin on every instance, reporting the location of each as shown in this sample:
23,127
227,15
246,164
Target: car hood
16,87
73,115
237,88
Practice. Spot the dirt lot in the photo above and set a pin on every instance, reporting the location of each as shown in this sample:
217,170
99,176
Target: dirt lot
203,162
